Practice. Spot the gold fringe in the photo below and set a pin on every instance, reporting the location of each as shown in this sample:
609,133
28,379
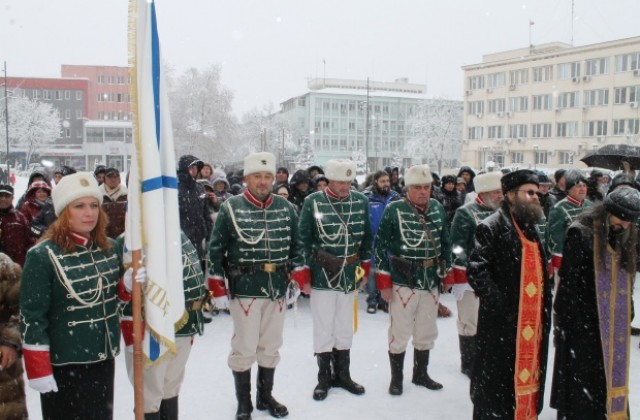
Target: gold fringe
184,319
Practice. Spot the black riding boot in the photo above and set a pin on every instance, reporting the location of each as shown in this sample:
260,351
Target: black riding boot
324,376
420,375
264,399
152,416
169,409
243,394
397,376
467,353
343,375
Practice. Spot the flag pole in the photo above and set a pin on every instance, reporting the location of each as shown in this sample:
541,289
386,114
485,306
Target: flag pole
138,332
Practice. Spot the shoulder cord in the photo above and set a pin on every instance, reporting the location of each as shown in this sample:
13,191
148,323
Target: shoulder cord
404,237
421,218
67,283
241,236
331,238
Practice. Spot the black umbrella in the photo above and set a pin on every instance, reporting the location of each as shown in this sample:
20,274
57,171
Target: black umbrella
611,156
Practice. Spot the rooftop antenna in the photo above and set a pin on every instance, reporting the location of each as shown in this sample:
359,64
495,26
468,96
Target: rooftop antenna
573,8
531,23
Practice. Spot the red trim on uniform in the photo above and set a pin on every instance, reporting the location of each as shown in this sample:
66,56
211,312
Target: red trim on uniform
574,201
126,326
460,276
331,193
479,201
383,280
366,266
79,239
217,286
301,276
123,294
256,202
556,261
37,363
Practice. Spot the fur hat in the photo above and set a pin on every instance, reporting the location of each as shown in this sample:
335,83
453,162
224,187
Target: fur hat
260,162
486,182
621,179
624,203
340,170
418,174
514,179
74,186
573,177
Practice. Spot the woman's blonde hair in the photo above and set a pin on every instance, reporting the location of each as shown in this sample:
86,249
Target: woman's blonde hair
60,232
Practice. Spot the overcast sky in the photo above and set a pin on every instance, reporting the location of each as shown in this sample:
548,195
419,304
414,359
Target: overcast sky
269,48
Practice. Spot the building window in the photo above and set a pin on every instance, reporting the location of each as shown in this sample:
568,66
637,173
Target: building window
620,95
78,114
519,104
517,131
597,97
541,102
476,82
628,62
567,71
78,95
596,66
542,74
517,157
46,94
36,93
496,105
595,128
58,95
541,130
494,132
476,107
100,79
567,129
568,99
565,158
541,157
497,80
518,77
67,95
475,133
622,127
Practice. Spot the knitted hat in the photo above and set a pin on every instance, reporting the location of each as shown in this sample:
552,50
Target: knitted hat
573,177
74,186
514,179
461,181
260,162
624,203
418,174
340,170
489,181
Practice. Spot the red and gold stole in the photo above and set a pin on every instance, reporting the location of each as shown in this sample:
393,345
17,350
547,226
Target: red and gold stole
529,337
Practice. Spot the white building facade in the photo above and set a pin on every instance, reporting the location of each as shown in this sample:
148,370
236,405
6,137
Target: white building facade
547,105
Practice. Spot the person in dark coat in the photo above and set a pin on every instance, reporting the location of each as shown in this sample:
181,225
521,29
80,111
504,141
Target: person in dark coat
592,307
282,176
558,192
15,237
467,174
514,318
99,172
314,170
543,193
47,215
38,174
394,177
35,198
114,202
300,187
449,197
195,220
319,182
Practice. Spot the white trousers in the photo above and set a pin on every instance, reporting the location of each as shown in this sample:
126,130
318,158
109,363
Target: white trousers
332,314
257,332
163,379
468,314
412,313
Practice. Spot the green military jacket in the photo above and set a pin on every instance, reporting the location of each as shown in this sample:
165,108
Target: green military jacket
194,292
250,233
560,217
463,230
69,303
321,228
402,235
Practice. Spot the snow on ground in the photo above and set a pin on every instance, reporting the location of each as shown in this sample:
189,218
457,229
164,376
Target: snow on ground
208,390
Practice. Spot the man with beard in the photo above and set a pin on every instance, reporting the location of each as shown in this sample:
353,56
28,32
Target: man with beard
463,229
254,246
564,212
413,254
507,270
379,195
593,307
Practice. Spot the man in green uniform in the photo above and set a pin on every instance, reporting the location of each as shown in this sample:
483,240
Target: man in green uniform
253,245
335,235
413,254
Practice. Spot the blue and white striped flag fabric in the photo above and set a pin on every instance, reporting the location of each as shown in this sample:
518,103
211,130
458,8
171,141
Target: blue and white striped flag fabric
153,222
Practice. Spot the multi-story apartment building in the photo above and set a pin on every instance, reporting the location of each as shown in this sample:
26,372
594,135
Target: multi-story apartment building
333,116
547,105
108,97
68,97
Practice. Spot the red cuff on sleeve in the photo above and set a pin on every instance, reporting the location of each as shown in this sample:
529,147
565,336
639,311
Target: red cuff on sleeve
122,292
383,280
217,287
366,266
301,276
37,363
556,261
460,276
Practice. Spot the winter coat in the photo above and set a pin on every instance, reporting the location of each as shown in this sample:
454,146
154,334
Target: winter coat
195,220
451,201
468,169
31,207
12,396
555,196
15,235
494,273
297,197
44,219
560,217
377,204
223,196
114,203
579,388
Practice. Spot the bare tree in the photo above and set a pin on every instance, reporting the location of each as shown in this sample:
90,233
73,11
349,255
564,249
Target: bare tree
266,130
436,129
32,124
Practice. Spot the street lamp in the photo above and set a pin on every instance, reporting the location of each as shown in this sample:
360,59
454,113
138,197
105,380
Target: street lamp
535,156
6,116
